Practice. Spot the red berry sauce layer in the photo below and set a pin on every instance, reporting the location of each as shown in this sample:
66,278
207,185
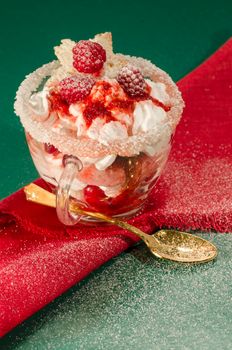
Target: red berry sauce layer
100,99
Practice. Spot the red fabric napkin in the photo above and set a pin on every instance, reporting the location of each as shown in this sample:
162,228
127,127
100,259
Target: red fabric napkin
40,258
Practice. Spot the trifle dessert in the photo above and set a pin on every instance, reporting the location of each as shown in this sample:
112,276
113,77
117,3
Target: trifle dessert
111,115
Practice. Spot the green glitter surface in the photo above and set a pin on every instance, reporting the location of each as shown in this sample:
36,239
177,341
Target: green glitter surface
138,302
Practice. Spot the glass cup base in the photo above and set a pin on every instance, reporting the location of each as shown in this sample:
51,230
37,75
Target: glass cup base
87,220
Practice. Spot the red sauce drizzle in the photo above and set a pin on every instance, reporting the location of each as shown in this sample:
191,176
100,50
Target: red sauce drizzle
57,104
155,101
159,104
94,110
126,106
105,85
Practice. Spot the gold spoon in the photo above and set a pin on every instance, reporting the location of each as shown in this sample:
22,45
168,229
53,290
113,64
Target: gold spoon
165,244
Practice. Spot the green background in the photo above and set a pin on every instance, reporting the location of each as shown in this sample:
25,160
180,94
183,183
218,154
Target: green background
133,301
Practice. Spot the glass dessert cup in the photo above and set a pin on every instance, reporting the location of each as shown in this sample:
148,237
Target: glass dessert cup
70,165
119,190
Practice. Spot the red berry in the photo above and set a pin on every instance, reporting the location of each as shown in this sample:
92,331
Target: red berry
95,197
132,81
88,57
49,148
75,88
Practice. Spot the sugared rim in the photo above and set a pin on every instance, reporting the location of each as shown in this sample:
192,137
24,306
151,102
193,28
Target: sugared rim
84,146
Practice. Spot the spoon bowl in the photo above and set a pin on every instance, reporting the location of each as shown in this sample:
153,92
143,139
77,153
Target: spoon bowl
184,247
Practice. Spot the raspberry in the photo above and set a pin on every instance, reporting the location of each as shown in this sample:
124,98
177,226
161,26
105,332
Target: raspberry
75,88
88,57
132,81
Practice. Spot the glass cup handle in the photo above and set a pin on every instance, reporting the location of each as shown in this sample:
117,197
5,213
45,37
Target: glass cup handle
71,166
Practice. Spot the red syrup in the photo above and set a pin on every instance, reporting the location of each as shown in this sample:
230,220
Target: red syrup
96,198
95,110
126,106
101,108
92,108
159,104
154,100
49,148
57,103
98,201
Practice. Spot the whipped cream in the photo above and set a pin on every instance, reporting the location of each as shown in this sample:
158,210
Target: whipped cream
146,116
112,131
105,134
105,162
158,91
39,105
100,163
